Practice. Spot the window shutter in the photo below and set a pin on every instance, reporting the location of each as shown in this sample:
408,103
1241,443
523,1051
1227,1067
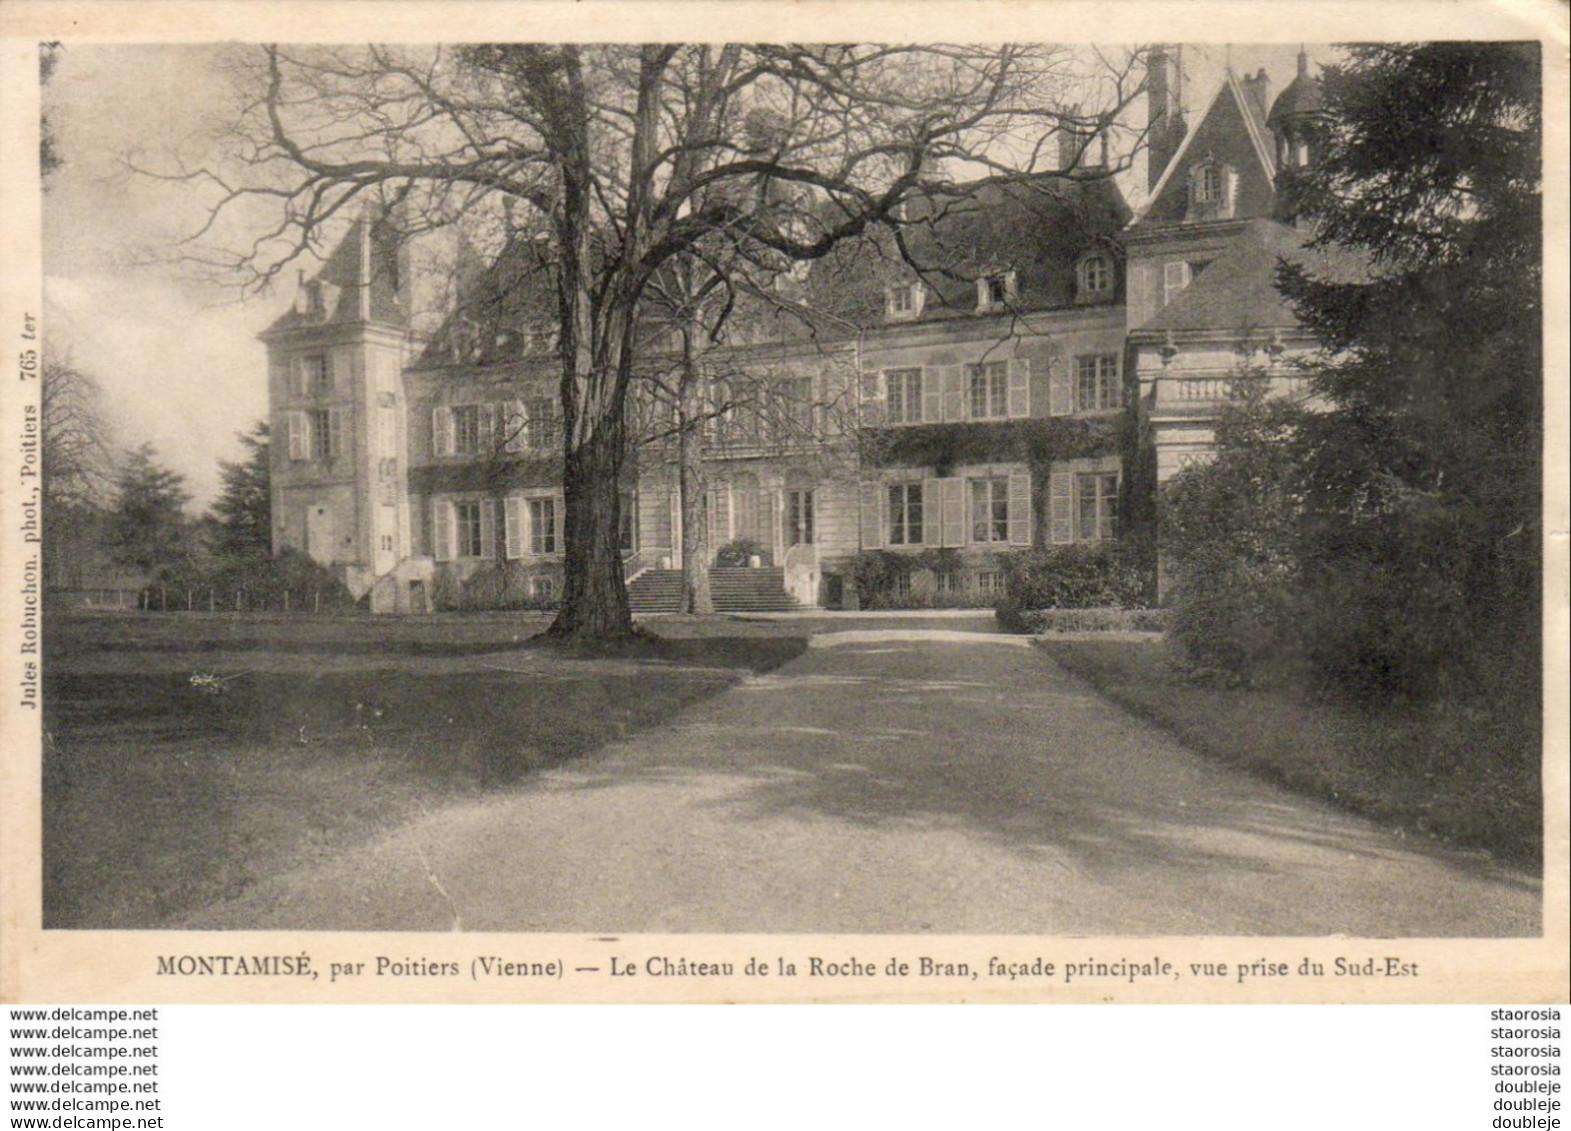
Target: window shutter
1020,509
487,428
442,530
1019,387
932,512
872,396
1061,389
297,376
559,522
299,436
329,375
442,430
335,433
516,426
873,517
952,511
932,397
1175,277
487,528
953,378
1061,515
513,526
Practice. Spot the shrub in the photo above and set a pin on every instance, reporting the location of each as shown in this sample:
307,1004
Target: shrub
888,580
1111,575
264,582
1036,621
738,552
1383,611
500,586
1230,530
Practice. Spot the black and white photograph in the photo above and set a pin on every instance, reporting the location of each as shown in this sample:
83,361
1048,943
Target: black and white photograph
1013,490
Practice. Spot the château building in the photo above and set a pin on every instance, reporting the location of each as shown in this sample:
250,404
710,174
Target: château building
1057,357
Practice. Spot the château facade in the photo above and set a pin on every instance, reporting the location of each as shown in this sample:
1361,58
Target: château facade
1058,356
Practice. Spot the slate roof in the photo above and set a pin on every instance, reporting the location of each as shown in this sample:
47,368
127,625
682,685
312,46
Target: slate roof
1301,98
368,245
1237,291
1232,129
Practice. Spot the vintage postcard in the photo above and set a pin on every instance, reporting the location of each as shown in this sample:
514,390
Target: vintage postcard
631,502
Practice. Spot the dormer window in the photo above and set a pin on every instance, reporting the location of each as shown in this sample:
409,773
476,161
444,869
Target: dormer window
1094,278
1208,184
904,301
1211,185
995,290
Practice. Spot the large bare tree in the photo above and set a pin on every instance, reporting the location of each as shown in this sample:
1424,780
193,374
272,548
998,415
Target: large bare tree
630,156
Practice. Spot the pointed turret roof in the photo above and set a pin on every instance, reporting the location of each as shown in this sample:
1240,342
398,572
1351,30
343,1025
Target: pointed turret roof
362,281
1302,98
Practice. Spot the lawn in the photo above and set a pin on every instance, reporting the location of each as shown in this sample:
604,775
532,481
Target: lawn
187,756
1451,772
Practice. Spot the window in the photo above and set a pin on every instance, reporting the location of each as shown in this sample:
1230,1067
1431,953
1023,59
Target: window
990,582
542,526
1096,382
627,530
1096,504
799,518
905,514
903,389
467,524
317,375
904,300
466,429
795,395
542,425
1175,277
1095,278
543,587
323,436
949,584
1208,184
1210,191
995,290
989,390
990,509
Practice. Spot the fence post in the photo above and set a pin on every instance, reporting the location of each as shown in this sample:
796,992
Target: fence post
316,601
237,600
286,600
212,600
163,598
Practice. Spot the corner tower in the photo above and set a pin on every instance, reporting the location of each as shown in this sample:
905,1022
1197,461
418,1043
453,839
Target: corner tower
336,405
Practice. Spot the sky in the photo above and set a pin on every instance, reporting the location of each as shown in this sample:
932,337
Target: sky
177,355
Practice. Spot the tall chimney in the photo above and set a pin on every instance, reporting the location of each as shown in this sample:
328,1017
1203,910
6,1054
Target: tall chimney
1165,98
1258,88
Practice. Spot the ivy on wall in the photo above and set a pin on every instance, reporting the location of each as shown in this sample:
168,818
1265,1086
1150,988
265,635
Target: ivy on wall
486,475
1038,443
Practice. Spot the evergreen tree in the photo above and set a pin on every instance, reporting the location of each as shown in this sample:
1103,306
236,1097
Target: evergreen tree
244,512
1421,480
147,526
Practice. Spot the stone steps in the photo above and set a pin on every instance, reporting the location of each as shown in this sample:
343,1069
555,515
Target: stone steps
735,589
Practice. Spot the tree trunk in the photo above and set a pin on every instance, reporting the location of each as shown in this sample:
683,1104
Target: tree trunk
594,596
696,597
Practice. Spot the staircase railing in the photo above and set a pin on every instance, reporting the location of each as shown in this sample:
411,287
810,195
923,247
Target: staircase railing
636,563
